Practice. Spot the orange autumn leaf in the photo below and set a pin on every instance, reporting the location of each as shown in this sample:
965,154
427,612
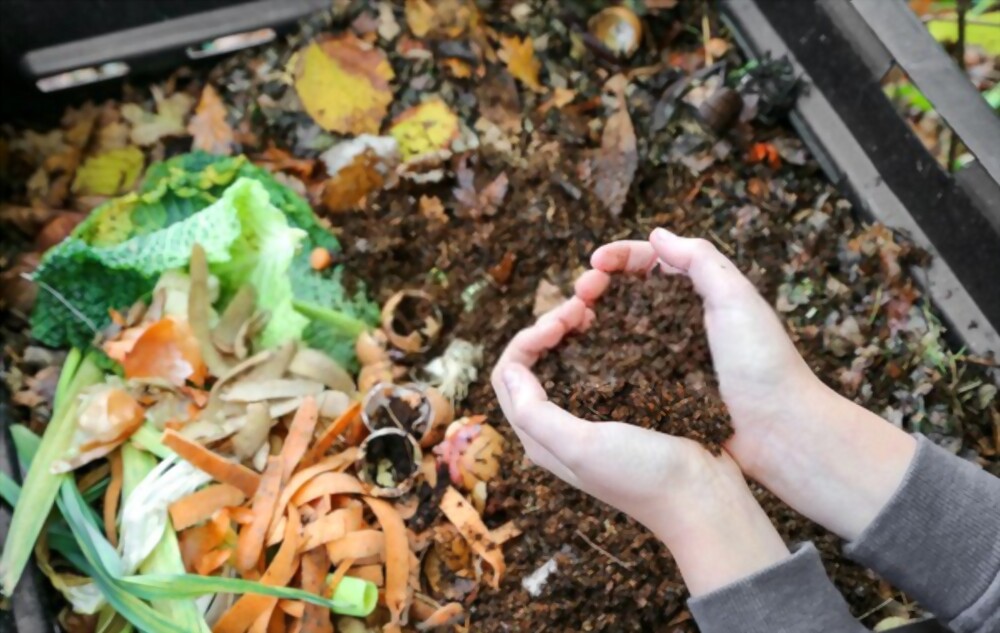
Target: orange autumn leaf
348,189
168,350
519,53
208,126
343,83
764,152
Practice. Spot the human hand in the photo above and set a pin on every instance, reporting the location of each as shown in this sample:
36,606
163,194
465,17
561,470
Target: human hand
821,453
698,504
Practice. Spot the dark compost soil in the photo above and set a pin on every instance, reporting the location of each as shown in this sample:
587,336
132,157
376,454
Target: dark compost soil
643,361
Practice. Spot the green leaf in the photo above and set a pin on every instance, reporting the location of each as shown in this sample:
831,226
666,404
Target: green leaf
40,485
354,596
993,97
147,438
10,492
261,256
984,31
336,318
109,173
98,554
166,556
112,259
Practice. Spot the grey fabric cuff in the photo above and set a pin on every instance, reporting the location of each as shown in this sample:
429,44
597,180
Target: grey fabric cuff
938,539
793,596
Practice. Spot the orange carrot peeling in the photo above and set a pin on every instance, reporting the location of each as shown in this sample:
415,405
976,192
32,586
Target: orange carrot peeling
300,433
112,496
357,545
331,434
327,484
250,545
242,615
220,468
398,592
315,565
337,576
470,525
202,504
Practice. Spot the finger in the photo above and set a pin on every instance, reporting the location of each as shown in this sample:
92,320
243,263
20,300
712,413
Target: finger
535,451
591,285
714,276
625,256
563,435
529,344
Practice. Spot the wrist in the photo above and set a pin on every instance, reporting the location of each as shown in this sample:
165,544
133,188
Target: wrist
837,463
718,533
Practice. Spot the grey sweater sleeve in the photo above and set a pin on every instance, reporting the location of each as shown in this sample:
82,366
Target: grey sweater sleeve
938,539
793,596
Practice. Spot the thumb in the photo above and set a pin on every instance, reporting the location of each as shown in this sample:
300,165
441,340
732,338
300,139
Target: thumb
714,277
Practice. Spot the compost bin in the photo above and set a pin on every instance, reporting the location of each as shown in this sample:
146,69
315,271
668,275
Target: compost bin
522,135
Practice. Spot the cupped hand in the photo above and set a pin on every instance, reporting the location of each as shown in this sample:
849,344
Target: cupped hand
693,501
764,382
821,453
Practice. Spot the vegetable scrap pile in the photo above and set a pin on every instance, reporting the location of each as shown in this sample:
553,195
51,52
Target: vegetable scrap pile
208,450
473,154
643,361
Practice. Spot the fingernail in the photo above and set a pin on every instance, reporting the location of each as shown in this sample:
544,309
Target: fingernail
659,235
510,380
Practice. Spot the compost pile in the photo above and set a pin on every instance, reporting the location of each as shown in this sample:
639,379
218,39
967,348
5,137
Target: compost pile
434,174
644,360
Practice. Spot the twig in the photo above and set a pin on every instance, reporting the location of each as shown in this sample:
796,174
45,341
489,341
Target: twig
600,549
63,300
875,609
706,35
962,7
722,244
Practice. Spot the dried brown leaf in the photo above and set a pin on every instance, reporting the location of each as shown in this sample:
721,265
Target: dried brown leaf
615,163
519,54
209,127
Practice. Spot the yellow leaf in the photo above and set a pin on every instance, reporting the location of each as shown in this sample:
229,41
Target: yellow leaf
521,61
344,85
208,126
148,128
109,173
425,129
447,19
419,17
